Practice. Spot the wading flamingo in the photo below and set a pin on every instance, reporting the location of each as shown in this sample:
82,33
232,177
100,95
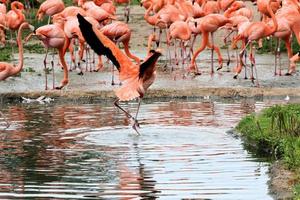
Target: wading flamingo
7,69
137,78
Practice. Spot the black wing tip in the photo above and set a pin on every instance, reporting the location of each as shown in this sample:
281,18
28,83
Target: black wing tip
82,20
157,51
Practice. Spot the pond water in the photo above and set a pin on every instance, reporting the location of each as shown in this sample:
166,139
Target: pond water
89,151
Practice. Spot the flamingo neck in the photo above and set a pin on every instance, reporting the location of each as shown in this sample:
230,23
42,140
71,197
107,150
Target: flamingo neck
150,19
19,67
275,24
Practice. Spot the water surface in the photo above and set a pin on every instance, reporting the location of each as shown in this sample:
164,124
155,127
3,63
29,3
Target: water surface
89,151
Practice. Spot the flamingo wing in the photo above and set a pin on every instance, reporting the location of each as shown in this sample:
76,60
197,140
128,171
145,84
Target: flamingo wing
102,45
148,66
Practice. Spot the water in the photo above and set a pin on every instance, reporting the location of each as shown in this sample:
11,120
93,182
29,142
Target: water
89,151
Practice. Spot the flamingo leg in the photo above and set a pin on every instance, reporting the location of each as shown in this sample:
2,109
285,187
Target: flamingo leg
112,75
245,66
175,51
53,75
241,62
212,55
228,60
276,57
279,57
45,69
204,42
256,74
136,124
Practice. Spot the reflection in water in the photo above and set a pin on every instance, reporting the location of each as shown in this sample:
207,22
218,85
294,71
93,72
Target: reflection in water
88,151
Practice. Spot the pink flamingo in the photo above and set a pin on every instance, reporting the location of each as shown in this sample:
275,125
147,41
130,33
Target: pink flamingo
209,24
50,7
7,69
253,32
53,36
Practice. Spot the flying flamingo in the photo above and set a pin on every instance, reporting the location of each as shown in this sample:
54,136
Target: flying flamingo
50,7
7,69
209,24
253,32
53,36
137,78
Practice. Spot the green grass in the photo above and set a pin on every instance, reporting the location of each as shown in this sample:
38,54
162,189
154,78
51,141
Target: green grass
269,46
5,52
275,133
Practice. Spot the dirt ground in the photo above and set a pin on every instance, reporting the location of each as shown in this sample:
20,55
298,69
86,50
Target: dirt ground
221,83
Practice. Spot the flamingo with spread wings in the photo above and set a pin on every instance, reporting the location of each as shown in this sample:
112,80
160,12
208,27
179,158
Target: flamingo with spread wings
137,78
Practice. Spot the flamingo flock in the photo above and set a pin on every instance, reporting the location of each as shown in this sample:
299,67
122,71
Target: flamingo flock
93,24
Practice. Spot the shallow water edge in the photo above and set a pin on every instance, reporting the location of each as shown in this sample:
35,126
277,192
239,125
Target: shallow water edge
226,92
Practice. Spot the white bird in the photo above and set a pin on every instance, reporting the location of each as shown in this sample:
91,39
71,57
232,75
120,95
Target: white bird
41,100
287,98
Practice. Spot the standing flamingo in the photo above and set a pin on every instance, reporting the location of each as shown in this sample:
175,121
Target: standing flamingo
7,69
253,32
15,16
209,24
119,32
181,31
53,36
137,78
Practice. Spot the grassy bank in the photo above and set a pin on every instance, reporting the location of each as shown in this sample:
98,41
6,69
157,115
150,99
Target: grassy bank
275,133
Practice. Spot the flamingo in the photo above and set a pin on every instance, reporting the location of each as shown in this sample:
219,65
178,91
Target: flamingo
209,24
53,36
15,16
253,32
3,6
7,69
96,12
50,7
288,20
137,78
180,30
69,11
